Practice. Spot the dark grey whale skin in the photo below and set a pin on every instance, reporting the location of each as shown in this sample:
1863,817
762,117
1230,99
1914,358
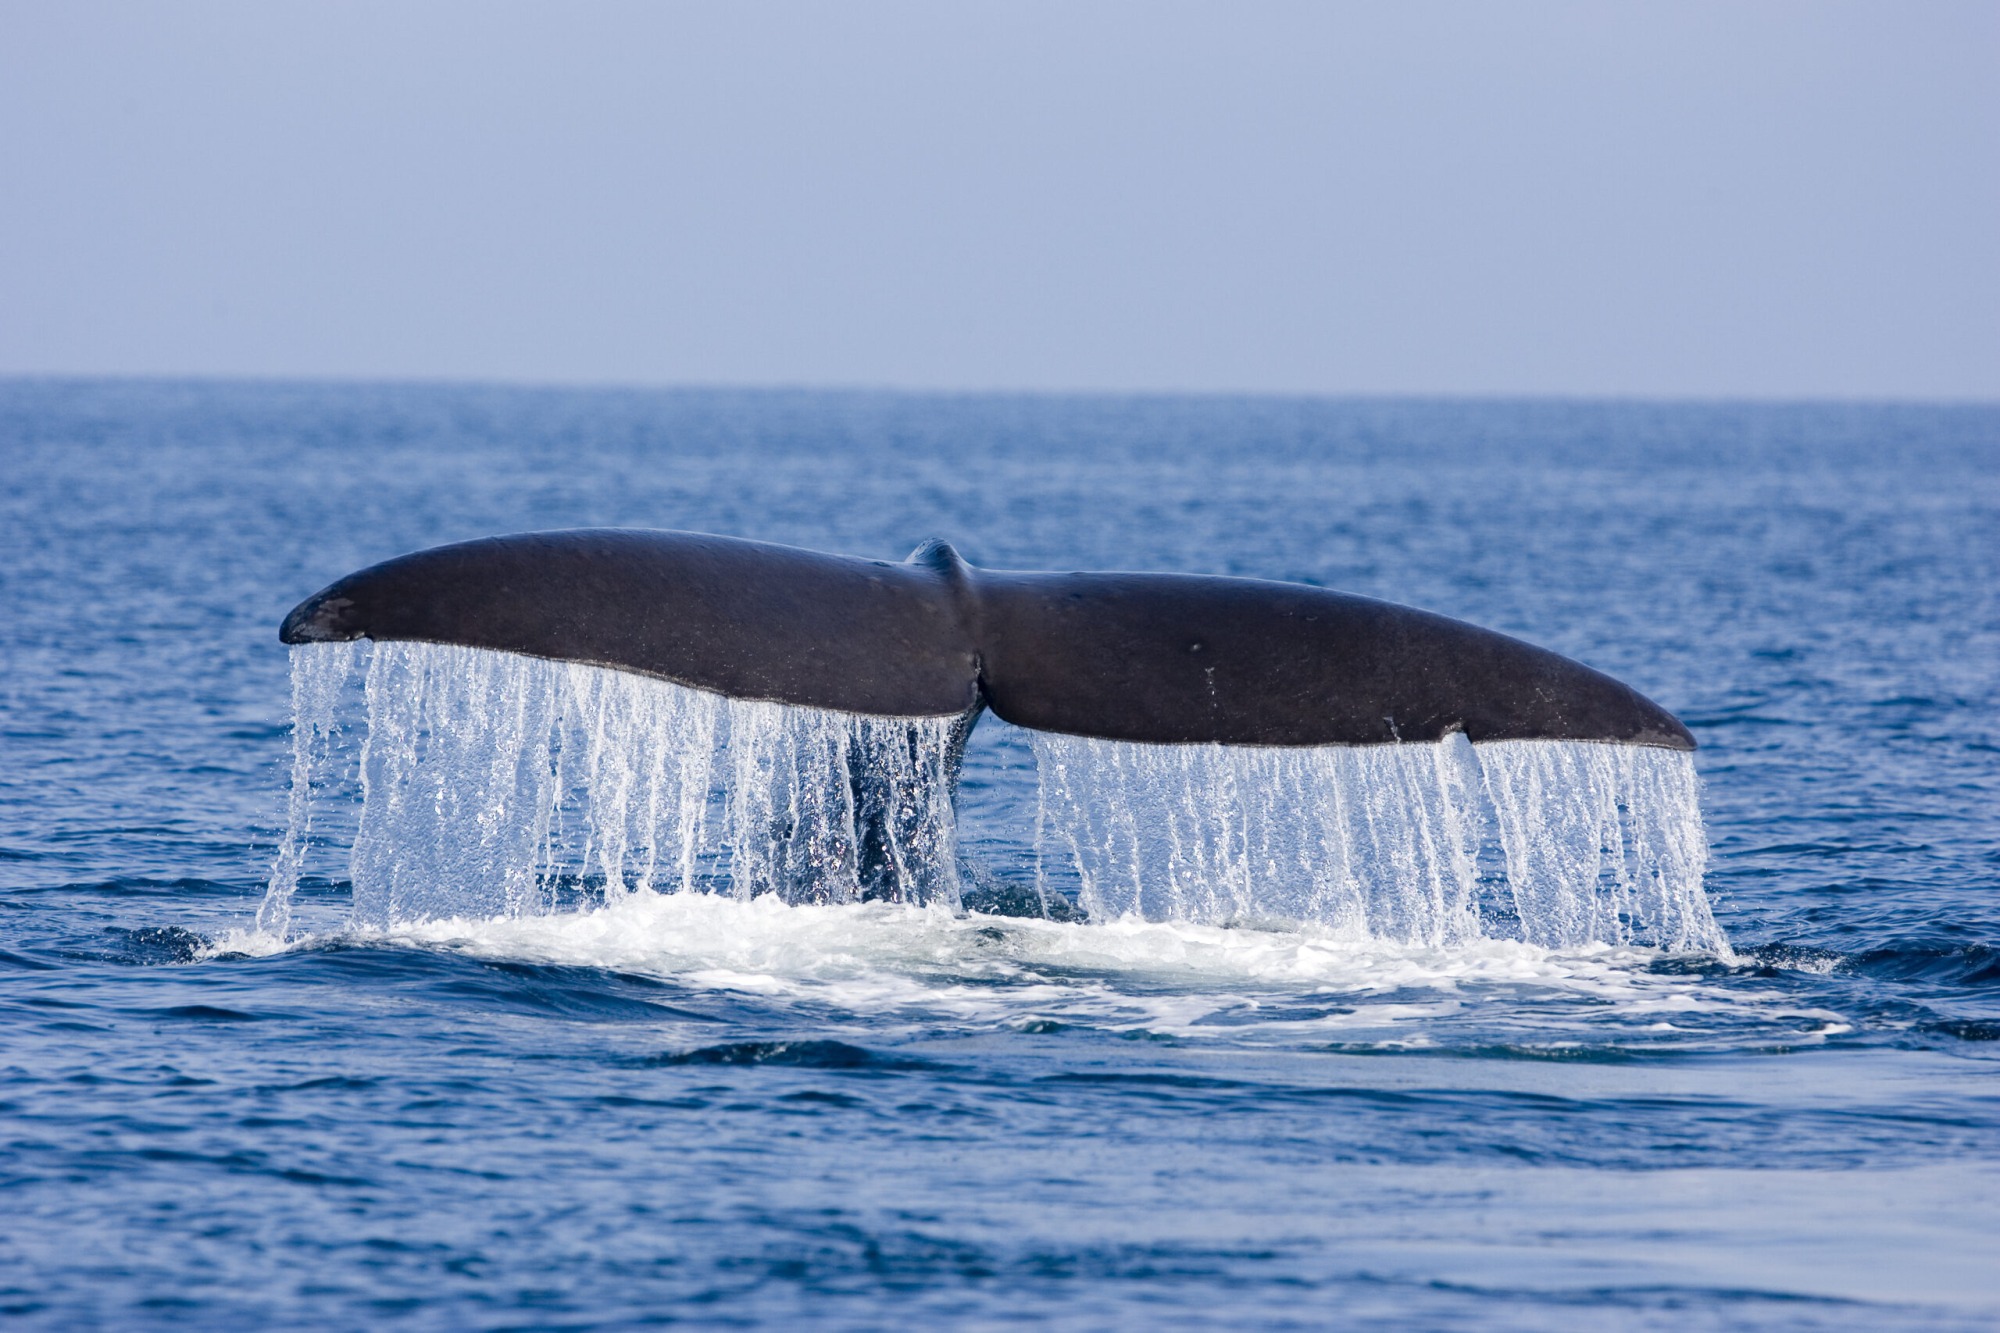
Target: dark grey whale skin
1161,658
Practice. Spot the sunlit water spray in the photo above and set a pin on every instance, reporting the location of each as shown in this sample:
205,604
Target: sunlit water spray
1556,843
496,785
493,786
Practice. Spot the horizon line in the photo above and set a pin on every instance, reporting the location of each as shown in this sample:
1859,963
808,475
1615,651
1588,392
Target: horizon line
889,389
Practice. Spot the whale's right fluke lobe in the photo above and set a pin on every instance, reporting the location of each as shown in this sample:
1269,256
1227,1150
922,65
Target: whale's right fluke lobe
1185,658
1161,658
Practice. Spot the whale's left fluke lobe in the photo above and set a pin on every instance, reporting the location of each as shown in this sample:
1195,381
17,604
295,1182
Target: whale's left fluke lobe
746,619
1159,658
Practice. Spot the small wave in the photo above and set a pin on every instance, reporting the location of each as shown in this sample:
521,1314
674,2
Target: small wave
1954,962
1965,1029
813,1054
154,946
146,885
205,1013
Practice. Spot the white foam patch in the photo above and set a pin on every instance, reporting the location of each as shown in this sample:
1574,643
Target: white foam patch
891,963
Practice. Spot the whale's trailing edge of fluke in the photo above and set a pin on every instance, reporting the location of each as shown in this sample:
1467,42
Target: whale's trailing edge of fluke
1161,658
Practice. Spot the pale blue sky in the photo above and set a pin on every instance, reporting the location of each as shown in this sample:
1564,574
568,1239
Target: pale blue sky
1713,199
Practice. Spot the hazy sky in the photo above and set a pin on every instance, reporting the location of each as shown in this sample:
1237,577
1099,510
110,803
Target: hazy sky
1600,198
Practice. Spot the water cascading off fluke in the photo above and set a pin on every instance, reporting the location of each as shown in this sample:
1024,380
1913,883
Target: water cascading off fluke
1558,843
494,784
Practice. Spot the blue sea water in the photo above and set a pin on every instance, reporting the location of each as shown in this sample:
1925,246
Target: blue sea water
691,1109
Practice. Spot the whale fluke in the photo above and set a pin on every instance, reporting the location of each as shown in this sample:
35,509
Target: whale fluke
1162,658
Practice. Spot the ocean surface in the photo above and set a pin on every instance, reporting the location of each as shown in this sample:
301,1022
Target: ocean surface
498,1096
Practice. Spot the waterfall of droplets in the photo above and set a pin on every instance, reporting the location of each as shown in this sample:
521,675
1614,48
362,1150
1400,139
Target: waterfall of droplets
494,785
1558,843
319,678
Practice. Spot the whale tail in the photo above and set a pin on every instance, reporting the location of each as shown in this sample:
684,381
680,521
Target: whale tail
1158,658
